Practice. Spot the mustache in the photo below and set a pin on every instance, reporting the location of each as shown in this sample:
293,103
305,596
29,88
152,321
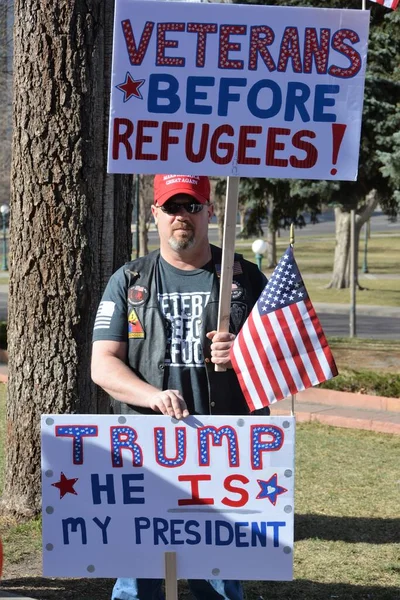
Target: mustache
182,226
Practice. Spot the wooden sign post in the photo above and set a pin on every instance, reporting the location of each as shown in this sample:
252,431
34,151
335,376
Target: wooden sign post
228,251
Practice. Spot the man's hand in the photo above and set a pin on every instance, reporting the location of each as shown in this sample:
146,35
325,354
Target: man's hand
169,402
220,347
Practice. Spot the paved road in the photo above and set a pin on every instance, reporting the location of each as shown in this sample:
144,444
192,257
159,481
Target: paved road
334,324
379,222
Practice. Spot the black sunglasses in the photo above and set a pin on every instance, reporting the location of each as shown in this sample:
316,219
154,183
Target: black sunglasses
172,208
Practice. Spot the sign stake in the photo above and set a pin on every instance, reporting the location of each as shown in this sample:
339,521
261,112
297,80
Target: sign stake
228,252
171,582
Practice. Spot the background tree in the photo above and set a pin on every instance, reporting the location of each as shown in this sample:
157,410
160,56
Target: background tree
6,13
381,120
70,223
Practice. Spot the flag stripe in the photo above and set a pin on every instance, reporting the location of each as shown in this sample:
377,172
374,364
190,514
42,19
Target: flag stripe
281,348
241,358
308,345
316,333
293,337
269,380
275,333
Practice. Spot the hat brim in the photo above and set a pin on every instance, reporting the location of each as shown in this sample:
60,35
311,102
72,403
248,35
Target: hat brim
182,190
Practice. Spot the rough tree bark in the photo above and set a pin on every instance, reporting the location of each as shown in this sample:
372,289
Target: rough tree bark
145,201
70,224
341,263
5,98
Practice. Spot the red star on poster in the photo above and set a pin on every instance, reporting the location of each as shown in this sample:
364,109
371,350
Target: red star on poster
66,486
130,87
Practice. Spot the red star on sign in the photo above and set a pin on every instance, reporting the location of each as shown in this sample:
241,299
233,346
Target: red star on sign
66,486
130,87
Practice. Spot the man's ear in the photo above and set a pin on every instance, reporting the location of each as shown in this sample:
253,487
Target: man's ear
154,212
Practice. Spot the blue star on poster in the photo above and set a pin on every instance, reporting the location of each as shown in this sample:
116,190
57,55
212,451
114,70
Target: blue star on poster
270,489
130,87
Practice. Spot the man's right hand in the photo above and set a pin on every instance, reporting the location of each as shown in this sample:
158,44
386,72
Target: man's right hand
170,403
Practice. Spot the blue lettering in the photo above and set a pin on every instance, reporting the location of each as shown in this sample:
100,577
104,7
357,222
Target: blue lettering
225,96
140,523
171,102
108,487
192,94
74,524
103,527
259,533
321,101
294,100
195,534
219,525
176,530
160,527
240,534
276,102
275,525
128,489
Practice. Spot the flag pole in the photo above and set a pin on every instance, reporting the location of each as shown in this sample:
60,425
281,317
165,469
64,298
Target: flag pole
291,240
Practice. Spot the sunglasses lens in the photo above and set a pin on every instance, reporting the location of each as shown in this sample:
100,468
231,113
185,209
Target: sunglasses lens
193,207
172,208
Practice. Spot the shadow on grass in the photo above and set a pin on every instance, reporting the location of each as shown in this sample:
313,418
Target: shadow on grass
100,589
347,529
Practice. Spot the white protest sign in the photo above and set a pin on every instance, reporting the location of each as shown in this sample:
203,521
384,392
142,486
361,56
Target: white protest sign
120,491
237,90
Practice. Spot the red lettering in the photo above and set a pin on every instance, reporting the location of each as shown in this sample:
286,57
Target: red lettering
144,139
167,139
225,46
122,138
310,150
258,45
202,29
290,48
317,51
136,55
273,145
162,43
205,132
244,496
216,145
194,488
350,53
245,142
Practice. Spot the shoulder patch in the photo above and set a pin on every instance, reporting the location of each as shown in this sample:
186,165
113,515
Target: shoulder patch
135,329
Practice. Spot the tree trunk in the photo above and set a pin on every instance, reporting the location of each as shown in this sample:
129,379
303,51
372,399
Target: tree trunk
341,263
146,197
271,237
70,224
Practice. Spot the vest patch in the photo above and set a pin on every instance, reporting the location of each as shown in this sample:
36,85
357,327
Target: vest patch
137,295
135,329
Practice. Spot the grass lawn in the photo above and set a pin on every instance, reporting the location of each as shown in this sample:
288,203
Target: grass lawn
345,526
314,256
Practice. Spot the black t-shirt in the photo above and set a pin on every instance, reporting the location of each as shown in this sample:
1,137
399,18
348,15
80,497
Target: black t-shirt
182,296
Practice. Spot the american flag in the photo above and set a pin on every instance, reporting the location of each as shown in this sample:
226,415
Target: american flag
388,3
281,349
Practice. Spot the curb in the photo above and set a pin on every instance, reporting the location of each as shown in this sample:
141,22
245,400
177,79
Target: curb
335,420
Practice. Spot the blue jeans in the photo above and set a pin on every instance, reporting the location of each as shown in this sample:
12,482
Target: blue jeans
202,589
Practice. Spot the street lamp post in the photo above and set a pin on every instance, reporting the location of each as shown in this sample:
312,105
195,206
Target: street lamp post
259,247
4,209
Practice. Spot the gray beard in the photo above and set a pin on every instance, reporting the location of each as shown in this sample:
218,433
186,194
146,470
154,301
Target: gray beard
181,243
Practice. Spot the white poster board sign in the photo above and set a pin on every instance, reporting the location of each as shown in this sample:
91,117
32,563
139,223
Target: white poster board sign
120,491
237,90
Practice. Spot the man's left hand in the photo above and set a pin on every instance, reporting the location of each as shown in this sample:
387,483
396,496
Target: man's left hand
220,347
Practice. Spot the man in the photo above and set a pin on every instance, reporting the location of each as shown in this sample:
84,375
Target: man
155,339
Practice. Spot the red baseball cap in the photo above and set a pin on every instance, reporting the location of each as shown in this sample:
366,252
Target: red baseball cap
166,186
